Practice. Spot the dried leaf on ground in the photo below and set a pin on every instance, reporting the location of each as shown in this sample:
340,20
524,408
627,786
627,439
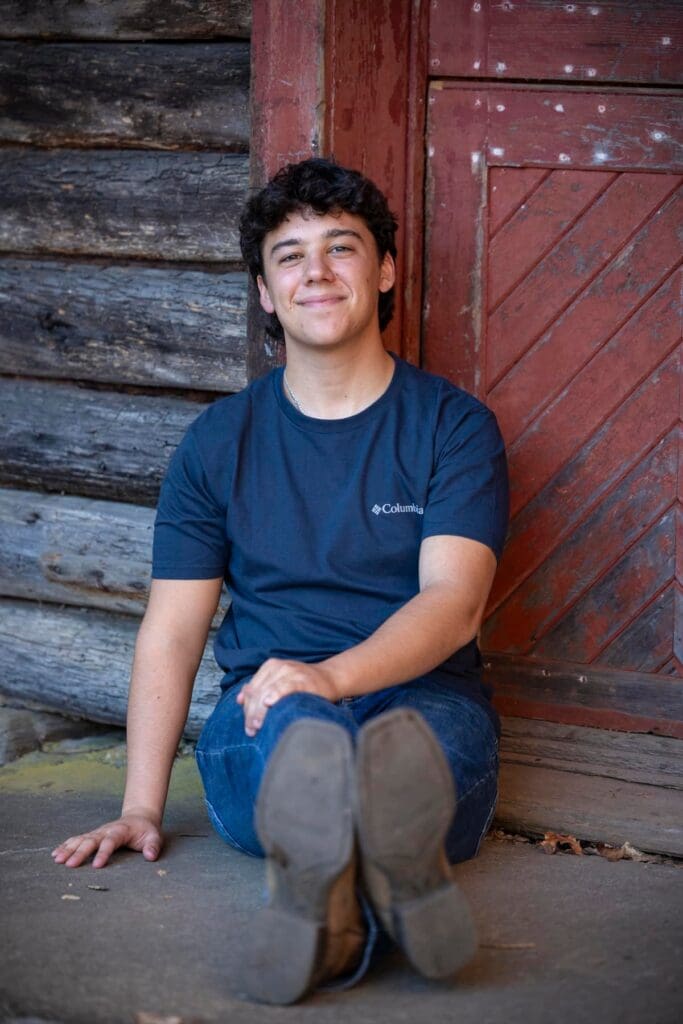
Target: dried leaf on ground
501,836
99,888
553,840
70,896
626,852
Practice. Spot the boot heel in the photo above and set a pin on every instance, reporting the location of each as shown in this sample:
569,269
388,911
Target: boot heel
284,978
436,931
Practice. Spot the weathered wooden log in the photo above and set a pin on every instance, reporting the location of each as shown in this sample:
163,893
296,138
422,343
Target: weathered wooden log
126,19
165,96
76,551
122,324
175,206
538,800
78,663
586,695
649,760
58,437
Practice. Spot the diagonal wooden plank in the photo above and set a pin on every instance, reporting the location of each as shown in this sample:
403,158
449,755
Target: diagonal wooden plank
603,308
597,617
582,253
646,644
537,225
634,427
596,391
594,545
509,187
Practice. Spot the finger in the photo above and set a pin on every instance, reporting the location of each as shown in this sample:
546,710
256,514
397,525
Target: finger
107,847
65,849
83,851
62,848
151,845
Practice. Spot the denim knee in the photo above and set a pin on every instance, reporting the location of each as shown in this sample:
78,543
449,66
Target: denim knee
231,764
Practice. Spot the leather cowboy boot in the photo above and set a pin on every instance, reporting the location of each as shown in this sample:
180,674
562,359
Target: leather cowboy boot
312,928
406,802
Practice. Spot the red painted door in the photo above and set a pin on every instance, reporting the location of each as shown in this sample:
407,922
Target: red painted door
552,287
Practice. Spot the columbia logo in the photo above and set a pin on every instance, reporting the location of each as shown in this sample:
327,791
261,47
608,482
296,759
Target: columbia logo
388,509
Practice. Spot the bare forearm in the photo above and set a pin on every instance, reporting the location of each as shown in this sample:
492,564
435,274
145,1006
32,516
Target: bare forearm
413,641
160,693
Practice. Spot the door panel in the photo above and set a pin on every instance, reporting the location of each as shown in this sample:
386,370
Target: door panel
553,293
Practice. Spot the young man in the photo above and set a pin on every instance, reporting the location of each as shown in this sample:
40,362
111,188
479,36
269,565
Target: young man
356,507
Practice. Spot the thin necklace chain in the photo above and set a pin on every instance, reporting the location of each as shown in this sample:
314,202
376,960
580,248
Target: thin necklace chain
295,400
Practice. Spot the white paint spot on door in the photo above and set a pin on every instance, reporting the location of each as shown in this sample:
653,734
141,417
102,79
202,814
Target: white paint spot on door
565,158
559,108
568,68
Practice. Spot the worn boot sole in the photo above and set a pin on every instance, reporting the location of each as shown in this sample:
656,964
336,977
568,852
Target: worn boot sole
304,820
406,798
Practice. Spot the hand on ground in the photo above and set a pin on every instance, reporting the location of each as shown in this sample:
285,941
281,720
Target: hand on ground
132,830
277,678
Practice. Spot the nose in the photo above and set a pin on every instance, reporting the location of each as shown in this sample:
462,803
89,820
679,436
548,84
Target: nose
318,267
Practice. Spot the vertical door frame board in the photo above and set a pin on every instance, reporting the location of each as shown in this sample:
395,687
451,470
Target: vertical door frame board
287,118
347,80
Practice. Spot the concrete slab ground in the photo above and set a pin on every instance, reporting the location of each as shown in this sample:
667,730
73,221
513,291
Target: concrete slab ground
563,938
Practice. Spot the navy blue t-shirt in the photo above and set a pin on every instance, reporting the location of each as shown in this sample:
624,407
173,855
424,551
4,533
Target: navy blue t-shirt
316,524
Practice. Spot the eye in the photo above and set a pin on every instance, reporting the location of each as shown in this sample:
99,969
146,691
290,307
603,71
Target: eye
290,257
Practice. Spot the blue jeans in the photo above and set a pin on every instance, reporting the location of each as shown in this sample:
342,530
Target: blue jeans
231,763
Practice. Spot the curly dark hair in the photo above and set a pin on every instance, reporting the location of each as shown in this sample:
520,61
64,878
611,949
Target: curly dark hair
324,187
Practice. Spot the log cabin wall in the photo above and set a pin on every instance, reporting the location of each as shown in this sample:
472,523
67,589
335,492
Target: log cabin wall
124,139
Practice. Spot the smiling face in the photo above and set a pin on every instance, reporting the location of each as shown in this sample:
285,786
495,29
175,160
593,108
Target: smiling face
322,278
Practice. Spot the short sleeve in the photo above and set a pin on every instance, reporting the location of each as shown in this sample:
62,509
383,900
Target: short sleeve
468,492
190,540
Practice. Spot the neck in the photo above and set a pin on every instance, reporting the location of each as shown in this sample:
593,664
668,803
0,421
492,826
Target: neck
334,385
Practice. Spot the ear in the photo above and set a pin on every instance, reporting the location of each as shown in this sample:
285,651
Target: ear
264,295
387,272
